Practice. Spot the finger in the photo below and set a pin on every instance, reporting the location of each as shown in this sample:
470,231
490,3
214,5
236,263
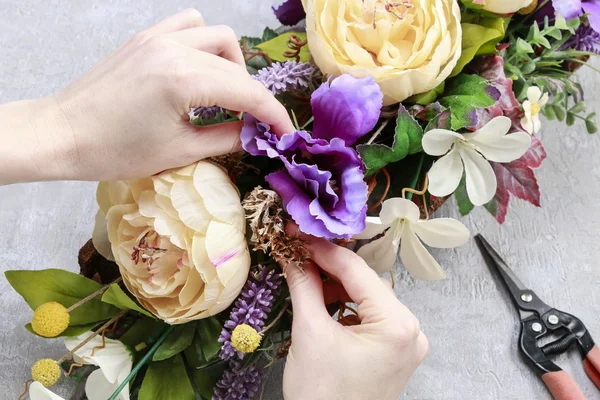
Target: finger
219,40
387,284
334,291
360,281
214,140
306,291
185,19
238,91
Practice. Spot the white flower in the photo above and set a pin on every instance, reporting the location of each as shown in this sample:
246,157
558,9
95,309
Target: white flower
470,153
115,362
404,229
532,107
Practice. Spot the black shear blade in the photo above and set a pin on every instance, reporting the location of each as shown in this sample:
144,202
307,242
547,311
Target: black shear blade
524,299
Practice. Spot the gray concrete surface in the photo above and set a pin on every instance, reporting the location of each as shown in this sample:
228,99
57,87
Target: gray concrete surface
469,321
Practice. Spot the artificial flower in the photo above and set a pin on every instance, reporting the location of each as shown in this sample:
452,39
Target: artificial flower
322,186
285,77
400,220
533,106
179,240
576,8
239,382
470,153
289,12
114,359
503,6
585,39
409,46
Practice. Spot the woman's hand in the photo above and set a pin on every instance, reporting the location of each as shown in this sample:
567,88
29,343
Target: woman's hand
128,116
372,360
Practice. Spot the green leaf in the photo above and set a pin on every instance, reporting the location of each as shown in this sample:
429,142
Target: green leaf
462,199
523,47
167,380
66,288
268,34
559,111
209,330
479,38
181,338
206,378
279,45
117,297
407,140
143,329
570,119
465,94
427,98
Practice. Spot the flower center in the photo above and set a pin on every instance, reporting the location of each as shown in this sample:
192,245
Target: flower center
535,109
398,9
147,250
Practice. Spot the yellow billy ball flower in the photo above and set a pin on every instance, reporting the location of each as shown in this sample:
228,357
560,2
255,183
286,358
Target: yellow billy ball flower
50,319
244,338
46,372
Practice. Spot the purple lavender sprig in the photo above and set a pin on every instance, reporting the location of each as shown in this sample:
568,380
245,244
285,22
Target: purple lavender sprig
585,39
252,307
205,113
285,77
238,383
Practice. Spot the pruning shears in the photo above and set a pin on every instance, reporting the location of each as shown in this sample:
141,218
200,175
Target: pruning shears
539,320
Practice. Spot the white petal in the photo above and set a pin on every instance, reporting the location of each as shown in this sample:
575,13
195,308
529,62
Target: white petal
506,148
534,94
98,388
445,174
527,124
190,205
103,196
398,208
37,391
416,259
227,250
537,125
100,237
491,132
544,100
438,142
443,233
380,254
480,177
527,107
374,228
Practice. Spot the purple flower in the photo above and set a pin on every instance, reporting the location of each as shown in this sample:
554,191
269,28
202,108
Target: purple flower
346,108
586,39
285,77
290,12
576,8
205,113
238,383
322,186
252,307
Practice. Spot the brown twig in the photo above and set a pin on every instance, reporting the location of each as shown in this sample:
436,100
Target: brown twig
277,318
26,389
295,44
91,296
420,193
385,192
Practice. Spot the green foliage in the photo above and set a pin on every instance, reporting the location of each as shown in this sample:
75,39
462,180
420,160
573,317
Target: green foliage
566,104
248,43
178,341
142,330
465,94
117,297
66,288
205,346
167,380
462,199
407,140
480,37
275,48
206,378
429,97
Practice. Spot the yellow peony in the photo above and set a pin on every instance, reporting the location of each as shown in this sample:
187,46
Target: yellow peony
504,6
179,240
409,46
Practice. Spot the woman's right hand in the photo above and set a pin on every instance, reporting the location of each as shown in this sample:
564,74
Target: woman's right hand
370,361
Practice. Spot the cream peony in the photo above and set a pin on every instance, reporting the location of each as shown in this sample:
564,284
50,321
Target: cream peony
409,46
503,6
179,240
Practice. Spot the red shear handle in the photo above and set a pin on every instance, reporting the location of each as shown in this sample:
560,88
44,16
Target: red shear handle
592,365
562,386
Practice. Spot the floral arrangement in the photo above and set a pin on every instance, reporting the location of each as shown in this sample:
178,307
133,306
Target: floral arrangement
397,106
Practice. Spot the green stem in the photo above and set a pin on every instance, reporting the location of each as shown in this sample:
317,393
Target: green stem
165,333
413,184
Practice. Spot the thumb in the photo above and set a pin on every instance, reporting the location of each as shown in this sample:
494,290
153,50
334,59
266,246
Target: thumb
214,140
306,291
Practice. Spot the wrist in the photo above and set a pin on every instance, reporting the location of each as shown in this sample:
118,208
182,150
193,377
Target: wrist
37,143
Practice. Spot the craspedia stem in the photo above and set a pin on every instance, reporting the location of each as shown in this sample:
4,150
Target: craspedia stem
93,295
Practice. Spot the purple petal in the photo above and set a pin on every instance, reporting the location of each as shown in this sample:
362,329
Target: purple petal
593,9
290,12
296,203
346,108
568,8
